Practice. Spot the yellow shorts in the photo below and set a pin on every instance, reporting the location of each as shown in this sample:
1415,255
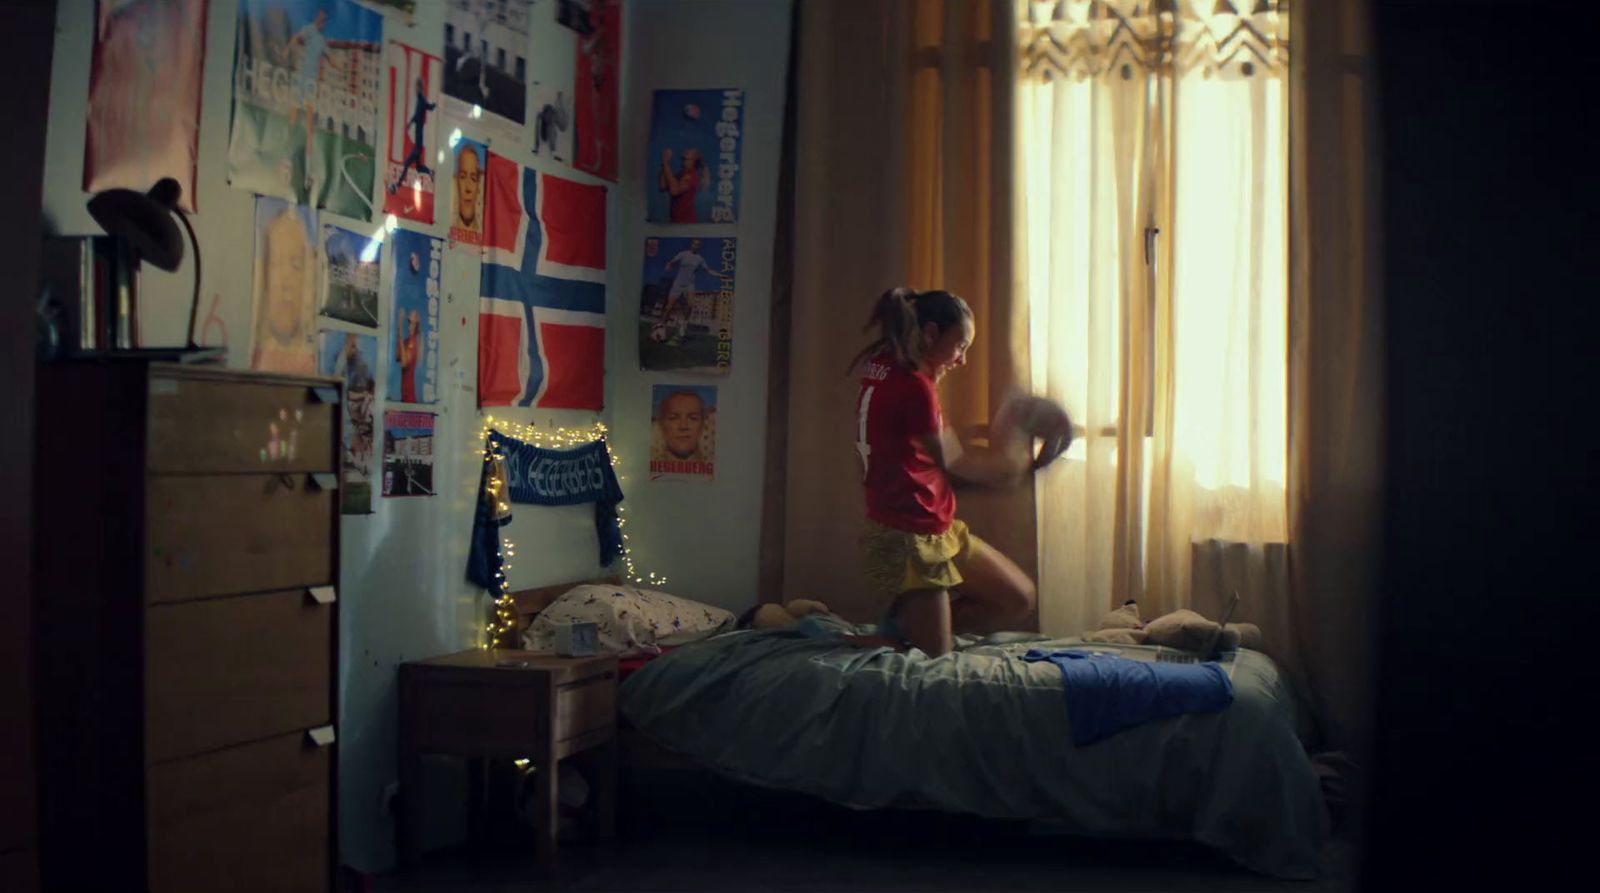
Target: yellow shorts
898,561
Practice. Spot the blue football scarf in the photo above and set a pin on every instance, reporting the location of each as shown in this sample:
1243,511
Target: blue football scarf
538,476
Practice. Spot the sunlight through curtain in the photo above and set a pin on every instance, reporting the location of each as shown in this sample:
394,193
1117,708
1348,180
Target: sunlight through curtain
1153,177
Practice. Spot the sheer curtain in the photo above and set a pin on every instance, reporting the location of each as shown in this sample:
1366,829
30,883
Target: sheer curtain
1153,142
1084,190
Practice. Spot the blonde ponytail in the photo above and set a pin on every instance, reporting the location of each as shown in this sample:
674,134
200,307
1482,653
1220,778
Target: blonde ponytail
899,314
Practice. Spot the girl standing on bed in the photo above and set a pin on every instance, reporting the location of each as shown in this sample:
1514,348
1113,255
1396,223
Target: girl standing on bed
929,576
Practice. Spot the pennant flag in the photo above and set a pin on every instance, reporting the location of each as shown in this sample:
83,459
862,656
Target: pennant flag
541,315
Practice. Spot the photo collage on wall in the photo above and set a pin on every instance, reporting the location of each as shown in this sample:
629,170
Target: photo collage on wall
367,158
486,64
347,348
414,85
414,354
689,270
144,97
408,453
353,357
683,432
305,103
311,84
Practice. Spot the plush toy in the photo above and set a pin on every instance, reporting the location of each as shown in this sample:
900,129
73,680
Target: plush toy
773,615
1036,418
1182,629
1120,627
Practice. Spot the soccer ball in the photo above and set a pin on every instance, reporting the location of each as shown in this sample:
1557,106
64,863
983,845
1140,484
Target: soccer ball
658,333
692,112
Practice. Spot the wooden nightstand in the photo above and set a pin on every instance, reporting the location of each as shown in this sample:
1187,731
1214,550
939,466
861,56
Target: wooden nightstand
510,705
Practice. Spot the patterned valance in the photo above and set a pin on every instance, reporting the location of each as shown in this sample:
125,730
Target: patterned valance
1078,39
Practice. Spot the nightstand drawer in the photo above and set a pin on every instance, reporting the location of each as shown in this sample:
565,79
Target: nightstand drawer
222,534
585,706
198,425
252,818
229,670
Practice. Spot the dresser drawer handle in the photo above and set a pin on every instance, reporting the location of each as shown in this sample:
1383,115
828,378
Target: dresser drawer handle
323,595
321,736
328,395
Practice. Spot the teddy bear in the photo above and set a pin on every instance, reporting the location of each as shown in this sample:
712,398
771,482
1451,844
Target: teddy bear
1183,629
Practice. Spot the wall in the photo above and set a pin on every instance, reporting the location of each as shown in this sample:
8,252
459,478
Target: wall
705,538
402,590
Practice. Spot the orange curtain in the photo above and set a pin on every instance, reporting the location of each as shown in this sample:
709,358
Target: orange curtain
959,215
1336,402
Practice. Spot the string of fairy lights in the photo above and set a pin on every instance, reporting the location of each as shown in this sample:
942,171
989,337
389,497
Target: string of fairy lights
504,624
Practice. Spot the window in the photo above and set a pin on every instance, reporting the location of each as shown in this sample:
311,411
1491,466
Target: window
1154,177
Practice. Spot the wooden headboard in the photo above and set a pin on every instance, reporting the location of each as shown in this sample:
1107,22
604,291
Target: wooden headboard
532,601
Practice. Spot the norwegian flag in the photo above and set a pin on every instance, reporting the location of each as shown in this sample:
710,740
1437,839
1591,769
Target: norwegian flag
541,314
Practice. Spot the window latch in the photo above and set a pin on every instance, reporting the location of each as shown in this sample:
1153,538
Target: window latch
1150,233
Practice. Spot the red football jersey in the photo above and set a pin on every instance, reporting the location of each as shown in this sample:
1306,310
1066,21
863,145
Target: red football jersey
906,487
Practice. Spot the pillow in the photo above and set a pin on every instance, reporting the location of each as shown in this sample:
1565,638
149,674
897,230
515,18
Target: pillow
631,620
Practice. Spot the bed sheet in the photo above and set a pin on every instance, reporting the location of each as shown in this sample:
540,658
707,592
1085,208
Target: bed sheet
981,731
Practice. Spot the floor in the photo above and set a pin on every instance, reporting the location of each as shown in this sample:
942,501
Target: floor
688,831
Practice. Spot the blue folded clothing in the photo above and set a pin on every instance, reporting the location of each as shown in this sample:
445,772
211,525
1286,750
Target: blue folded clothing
1107,693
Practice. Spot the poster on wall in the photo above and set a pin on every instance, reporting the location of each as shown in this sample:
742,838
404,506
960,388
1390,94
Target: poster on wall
284,288
407,453
542,288
409,181
467,211
683,432
144,95
350,276
353,357
595,86
486,63
305,103
686,304
552,123
414,354
693,160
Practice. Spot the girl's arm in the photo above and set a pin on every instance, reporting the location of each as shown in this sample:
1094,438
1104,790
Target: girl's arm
1004,464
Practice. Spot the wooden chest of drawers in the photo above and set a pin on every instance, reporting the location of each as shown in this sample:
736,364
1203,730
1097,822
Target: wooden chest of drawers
187,531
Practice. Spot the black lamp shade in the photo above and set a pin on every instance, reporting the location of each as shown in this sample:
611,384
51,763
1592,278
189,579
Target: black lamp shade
143,220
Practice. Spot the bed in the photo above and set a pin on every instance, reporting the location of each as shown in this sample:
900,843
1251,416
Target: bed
982,732
979,731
